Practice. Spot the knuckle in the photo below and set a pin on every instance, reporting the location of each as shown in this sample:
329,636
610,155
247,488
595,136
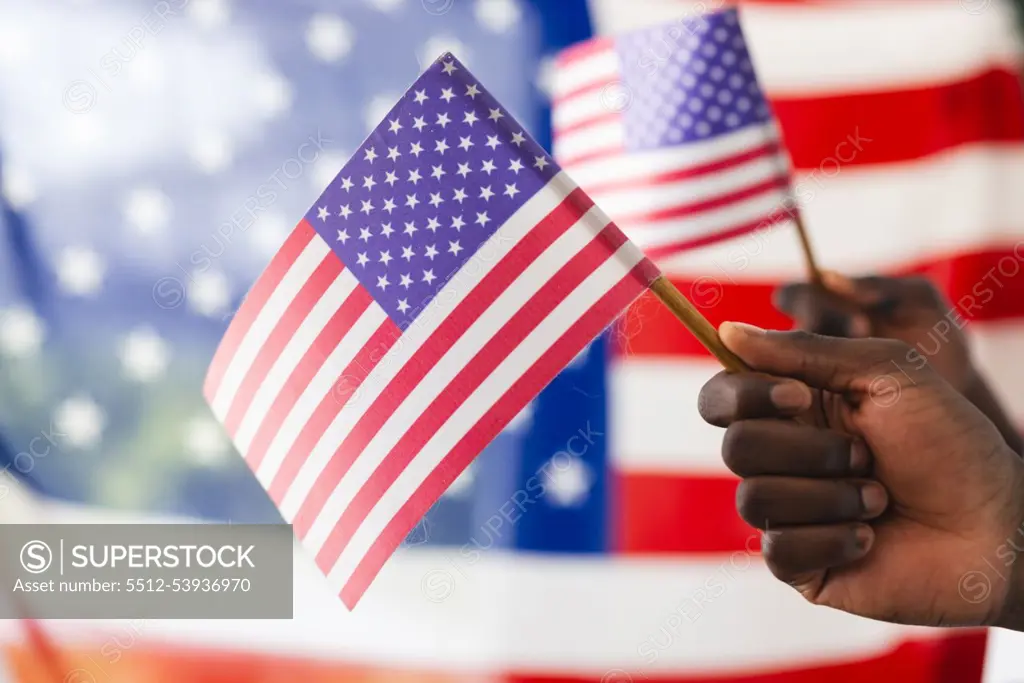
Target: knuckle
752,502
735,446
716,400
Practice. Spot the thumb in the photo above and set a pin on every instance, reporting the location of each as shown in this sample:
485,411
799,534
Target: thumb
830,363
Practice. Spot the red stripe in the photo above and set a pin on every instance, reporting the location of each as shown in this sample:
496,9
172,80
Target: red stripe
568,212
681,210
953,658
319,351
710,237
298,310
766,150
345,387
985,286
877,127
567,347
583,50
468,379
254,302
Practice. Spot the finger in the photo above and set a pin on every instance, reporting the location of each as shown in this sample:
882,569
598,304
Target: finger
754,448
728,397
816,309
838,365
800,555
771,502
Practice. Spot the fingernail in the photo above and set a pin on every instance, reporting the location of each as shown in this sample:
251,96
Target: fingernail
863,536
790,396
860,456
874,499
744,328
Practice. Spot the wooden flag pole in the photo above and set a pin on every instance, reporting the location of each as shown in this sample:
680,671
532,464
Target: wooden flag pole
805,243
696,323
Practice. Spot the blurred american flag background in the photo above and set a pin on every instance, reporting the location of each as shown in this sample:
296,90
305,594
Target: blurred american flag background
155,154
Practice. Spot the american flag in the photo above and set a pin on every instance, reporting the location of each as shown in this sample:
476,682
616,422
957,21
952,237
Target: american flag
668,129
447,274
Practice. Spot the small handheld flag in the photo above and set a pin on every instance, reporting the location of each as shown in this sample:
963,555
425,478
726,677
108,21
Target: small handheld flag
669,131
447,274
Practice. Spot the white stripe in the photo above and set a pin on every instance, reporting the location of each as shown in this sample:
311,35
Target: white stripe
320,314
437,379
751,210
595,68
837,47
573,306
321,386
664,436
266,320
875,219
635,165
603,137
433,315
650,199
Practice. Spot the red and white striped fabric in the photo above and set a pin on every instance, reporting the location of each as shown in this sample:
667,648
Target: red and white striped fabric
929,92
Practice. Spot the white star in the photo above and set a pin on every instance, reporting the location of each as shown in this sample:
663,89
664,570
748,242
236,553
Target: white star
450,68
495,115
516,166
81,421
458,223
370,155
416,148
454,247
463,170
419,124
470,118
21,332
394,126
435,199
472,91
362,259
369,182
382,281
497,15
433,224
406,281
518,139
486,193
492,141
482,218
343,236
407,253
209,14
209,293
385,258
541,163
511,190
321,213
393,153
443,120
431,252
211,151
437,172
391,178
428,276
329,37
411,201
447,95
365,234
421,96
80,271
441,146
367,207
389,205
147,209
386,230
403,305
410,228
346,184
489,167
345,211
206,443
460,195
144,355
414,176
465,143
568,481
